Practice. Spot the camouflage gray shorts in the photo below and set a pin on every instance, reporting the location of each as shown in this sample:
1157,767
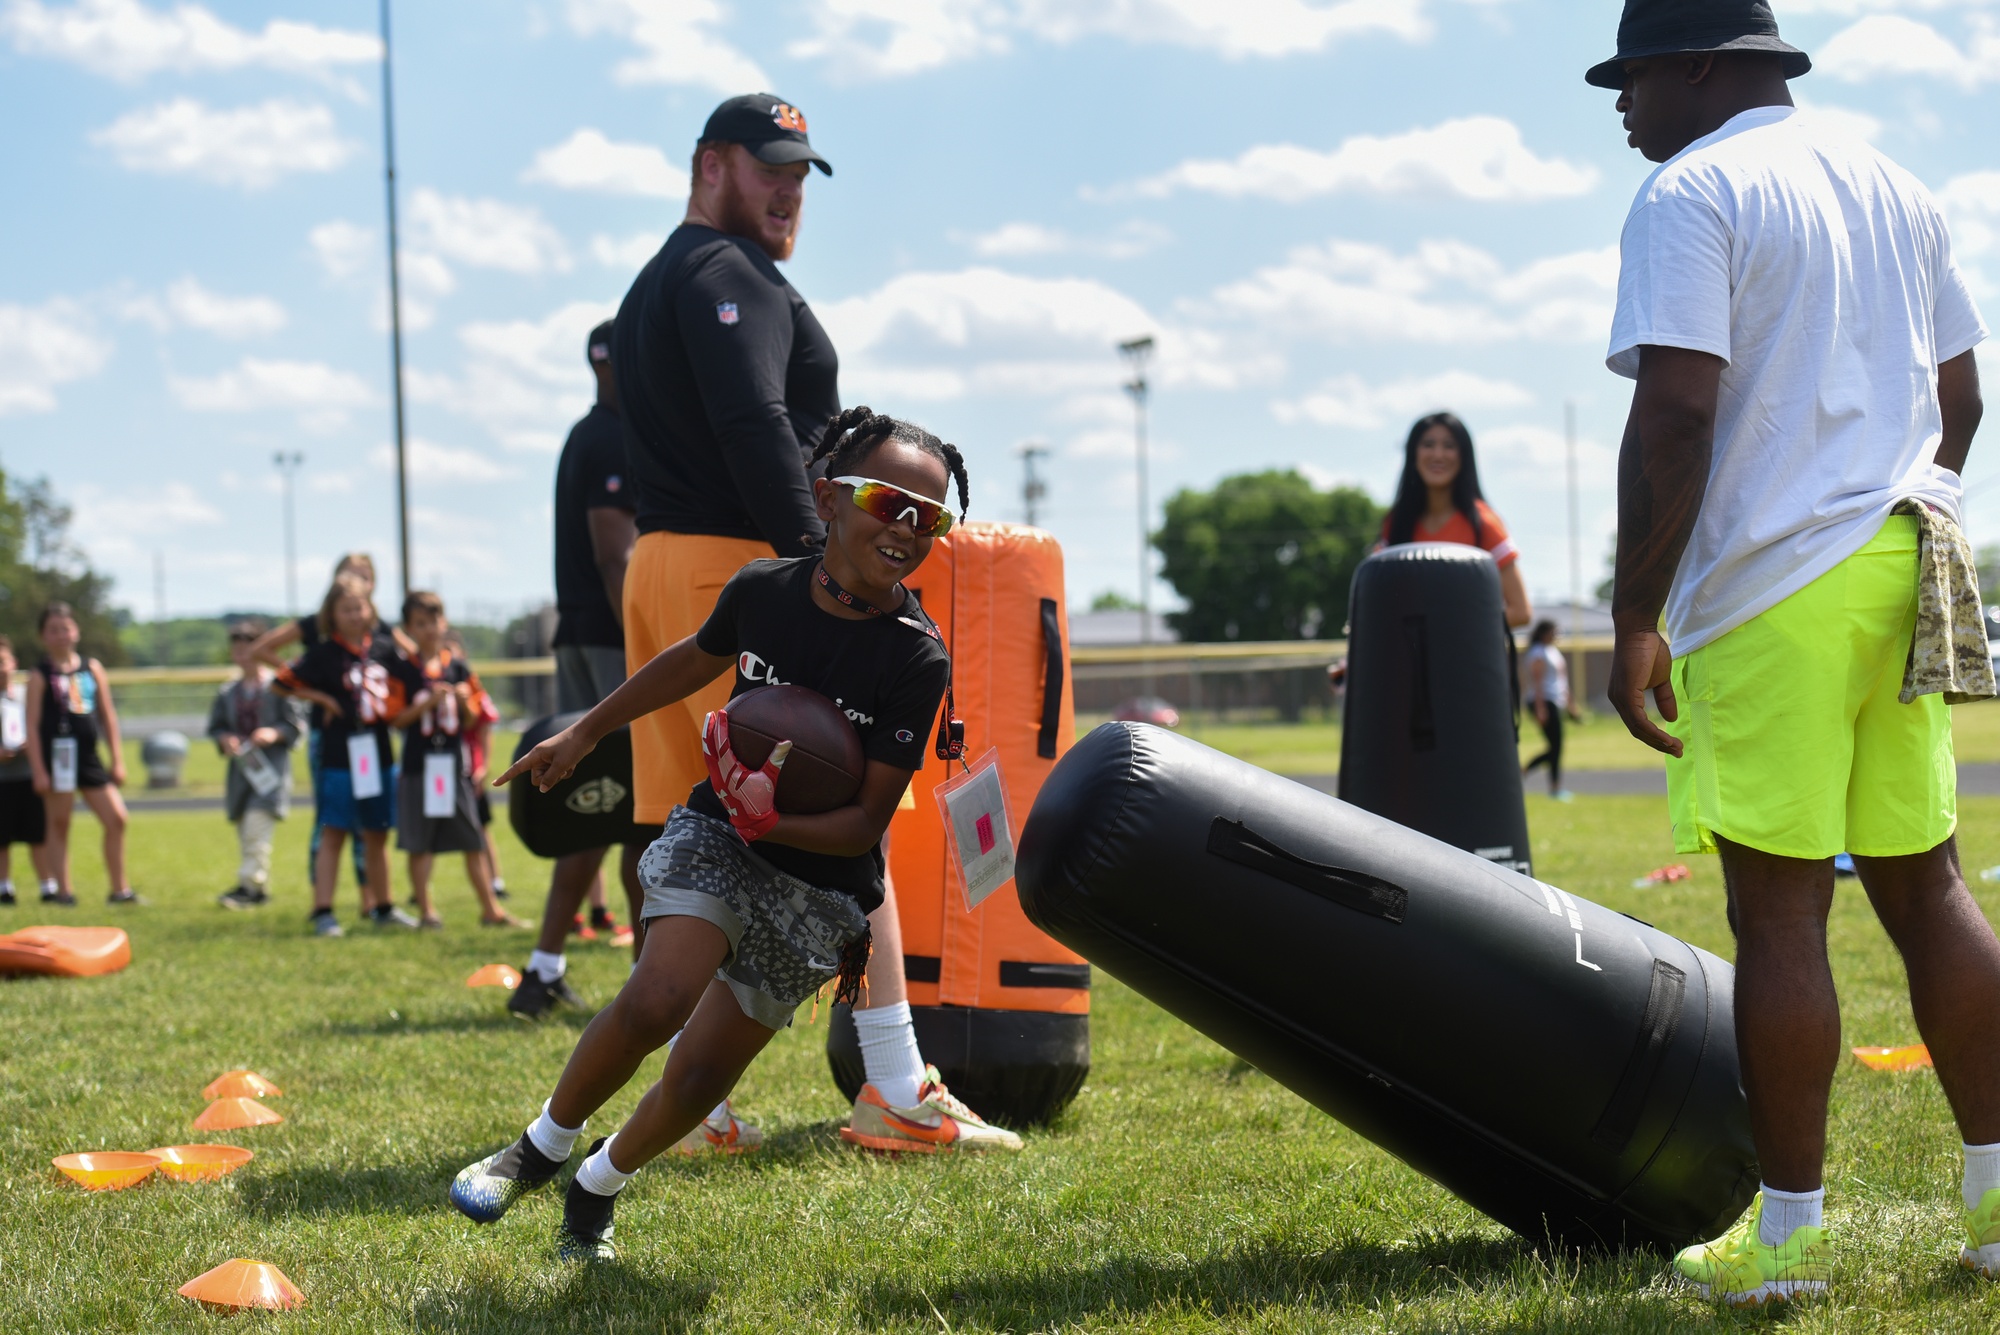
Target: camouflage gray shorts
785,936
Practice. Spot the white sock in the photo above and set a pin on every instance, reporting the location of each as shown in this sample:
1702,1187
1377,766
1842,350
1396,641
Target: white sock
720,1111
1785,1211
889,1052
554,1141
598,1177
1982,1172
499,884
549,968
7,885
49,886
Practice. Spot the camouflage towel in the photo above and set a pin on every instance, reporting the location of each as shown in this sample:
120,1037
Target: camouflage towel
1948,653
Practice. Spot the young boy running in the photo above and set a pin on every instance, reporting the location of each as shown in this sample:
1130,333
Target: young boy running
737,937
436,808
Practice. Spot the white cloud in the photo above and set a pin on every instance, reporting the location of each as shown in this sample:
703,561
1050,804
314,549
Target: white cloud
1972,204
1849,8
1441,292
1350,401
588,161
349,253
1887,45
123,39
871,38
1846,121
104,519
524,381
485,233
1018,239
319,394
1473,157
342,248
42,347
250,146
676,39
432,462
629,253
230,317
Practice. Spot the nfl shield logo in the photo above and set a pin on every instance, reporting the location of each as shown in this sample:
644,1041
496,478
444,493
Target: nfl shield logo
725,311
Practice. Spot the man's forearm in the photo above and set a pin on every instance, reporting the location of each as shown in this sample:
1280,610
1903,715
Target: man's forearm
1662,477
1960,408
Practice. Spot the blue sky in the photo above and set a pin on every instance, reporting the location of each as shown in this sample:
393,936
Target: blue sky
1332,214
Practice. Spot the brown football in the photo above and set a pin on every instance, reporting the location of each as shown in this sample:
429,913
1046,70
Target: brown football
825,766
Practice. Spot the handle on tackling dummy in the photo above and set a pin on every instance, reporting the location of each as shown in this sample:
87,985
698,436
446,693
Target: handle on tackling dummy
750,796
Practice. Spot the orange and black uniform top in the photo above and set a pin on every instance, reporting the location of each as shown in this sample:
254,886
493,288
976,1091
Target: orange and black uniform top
1491,537
364,678
444,728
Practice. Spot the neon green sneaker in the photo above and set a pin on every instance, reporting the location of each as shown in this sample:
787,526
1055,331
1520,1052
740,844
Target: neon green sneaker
1981,1253
1739,1270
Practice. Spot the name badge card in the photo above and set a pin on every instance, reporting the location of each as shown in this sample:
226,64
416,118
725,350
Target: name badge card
440,785
258,771
13,725
364,764
62,765
977,826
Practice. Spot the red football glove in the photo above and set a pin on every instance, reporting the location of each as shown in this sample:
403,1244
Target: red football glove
750,796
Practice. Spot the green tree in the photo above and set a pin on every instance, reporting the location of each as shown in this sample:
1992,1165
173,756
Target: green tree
1265,556
39,564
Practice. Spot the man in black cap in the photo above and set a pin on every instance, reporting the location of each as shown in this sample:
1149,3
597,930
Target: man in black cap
594,537
1788,493
727,381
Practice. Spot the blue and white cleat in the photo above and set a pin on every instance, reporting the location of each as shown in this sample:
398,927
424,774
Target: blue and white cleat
488,1189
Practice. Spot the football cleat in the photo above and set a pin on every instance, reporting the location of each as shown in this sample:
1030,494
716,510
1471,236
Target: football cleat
584,1236
488,1189
724,1134
1739,1269
1981,1253
939,1122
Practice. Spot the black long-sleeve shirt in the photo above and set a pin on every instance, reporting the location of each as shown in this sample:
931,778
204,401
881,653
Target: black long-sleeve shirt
726,379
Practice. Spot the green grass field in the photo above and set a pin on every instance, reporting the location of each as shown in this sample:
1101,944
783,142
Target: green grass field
1182,1192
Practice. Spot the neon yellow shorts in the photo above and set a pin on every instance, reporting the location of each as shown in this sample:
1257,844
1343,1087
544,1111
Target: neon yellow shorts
1793,739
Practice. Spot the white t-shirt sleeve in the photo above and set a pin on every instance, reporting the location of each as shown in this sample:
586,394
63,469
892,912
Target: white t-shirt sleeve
1955,323
1673,282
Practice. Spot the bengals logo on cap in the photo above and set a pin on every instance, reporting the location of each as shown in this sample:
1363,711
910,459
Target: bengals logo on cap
788,117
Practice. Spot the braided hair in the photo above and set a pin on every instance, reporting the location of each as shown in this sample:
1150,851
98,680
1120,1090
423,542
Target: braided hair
852,436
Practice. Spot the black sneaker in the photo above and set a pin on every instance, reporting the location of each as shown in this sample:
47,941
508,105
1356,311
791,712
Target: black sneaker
6,896
126,896
584,1236
60,898
323,923
488,1189
535,998
243,897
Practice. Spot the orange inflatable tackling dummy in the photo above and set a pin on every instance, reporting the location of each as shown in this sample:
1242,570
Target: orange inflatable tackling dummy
65,952
1000,1008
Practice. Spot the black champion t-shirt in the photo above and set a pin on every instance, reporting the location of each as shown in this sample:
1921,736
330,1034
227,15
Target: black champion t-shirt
726,380
886,674
589,476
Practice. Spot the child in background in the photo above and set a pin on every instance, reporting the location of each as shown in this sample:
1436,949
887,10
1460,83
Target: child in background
22,820
350,677
69,703
255,728
1548,697
436,808
478,748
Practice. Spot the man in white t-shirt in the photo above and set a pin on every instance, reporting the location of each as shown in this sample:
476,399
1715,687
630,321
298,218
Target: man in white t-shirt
1802,344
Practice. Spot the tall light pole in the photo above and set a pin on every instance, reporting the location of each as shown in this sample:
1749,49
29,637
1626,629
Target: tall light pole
1033,488
1575,520
395,308
289,463
1137,352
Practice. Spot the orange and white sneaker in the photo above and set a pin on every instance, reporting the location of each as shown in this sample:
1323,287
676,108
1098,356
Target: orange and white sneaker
939,1122
724,1134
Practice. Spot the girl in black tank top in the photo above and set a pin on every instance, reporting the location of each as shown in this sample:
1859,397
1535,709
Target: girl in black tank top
69,707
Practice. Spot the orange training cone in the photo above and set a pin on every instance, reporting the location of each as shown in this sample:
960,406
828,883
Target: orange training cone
1894,1059
241,1085
229,1114
237,1284
495,975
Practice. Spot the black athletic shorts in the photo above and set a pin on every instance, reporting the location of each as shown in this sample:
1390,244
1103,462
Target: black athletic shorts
21,819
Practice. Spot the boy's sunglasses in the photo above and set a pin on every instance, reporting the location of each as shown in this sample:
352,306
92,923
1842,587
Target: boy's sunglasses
891,504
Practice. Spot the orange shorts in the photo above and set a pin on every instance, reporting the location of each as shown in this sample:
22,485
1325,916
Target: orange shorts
671,586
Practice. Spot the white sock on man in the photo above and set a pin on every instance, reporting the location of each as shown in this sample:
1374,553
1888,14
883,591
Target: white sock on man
720,1112
1982,1172
598,1177
889,1052
552,1140
548,967
1788,1211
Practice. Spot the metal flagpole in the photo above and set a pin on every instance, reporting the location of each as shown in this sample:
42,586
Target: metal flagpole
395,309
1137,351
288,466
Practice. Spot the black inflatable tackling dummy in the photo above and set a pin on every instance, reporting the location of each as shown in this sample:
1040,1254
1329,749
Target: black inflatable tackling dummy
592,808
1428,736
1566,1069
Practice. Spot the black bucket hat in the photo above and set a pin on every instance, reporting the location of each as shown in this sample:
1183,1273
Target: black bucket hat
1669,27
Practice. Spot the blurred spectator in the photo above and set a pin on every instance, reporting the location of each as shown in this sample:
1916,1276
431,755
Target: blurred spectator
255,728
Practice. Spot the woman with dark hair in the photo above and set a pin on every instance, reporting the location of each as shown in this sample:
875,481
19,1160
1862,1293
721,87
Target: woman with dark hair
1438,500
1546,679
